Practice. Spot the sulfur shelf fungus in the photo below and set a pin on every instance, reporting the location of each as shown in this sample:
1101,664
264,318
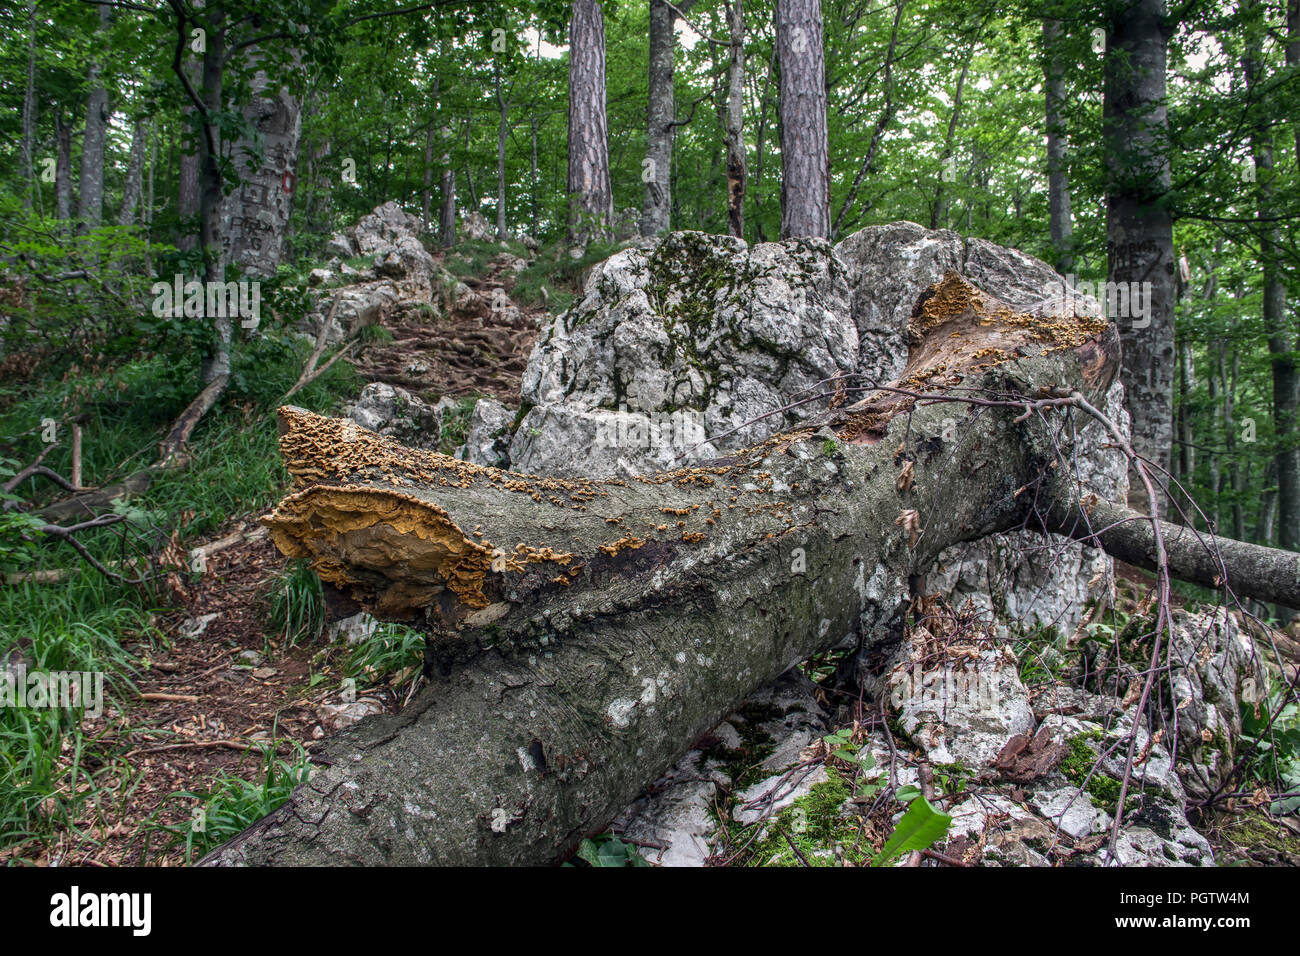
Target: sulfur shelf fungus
388,548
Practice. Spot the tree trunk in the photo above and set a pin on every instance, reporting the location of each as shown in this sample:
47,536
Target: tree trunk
591,198
426,197
256,215
939,211
90,201
215,368
1186,457
1251,571
28,147
584,633
503,134
147,215
661,111
1235,479
532,177
469,171
1292,51
760,141
1283,337
63,170
1139,230
805,153
134,185
709,195
1060,224
1265,520
737,172
447,195
189,175
1214,383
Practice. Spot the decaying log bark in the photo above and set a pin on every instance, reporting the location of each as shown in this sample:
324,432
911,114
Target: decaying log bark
585,633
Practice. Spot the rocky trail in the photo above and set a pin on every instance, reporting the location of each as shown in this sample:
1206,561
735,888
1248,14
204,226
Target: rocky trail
479,345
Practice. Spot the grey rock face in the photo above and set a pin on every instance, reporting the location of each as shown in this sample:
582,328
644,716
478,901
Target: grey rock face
962,710
676,811
395,412
1216,668
889,266
401,272
352,630
695,335
476,227
391,236
487,441
676,814
341,246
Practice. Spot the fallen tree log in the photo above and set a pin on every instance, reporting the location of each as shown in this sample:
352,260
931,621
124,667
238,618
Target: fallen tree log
584,633
1248,570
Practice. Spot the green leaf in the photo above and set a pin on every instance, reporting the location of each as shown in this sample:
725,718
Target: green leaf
920,827
589,852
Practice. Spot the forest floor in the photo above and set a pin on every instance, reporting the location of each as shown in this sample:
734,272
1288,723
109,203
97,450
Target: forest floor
212,701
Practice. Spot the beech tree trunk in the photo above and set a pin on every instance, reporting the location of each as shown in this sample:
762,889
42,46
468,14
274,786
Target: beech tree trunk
1281,327
737,171
134,186
90,200
256,215
1250,570
591,198
503,135
1060,224
63,169
447,210
805,152
215,367
188,188
656,208
426,195
28,147
1139,229
582,634
1286,370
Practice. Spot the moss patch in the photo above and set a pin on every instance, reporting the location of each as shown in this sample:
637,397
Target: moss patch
817,827
1103,790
